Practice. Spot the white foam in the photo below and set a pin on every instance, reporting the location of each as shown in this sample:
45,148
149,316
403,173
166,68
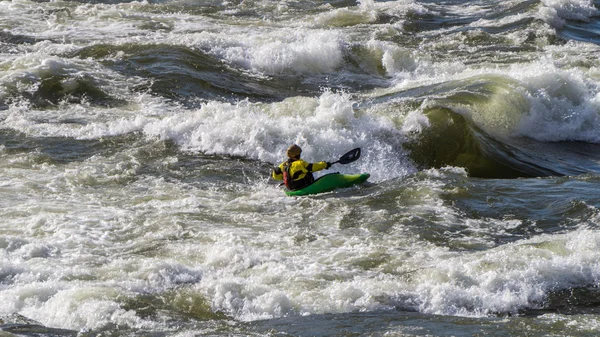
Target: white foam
510,278
564,105
78,307
256,254
505,279
80,237
552,99
325,128
272,52
555,12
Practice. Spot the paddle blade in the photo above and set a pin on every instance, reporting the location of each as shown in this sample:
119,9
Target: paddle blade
349,157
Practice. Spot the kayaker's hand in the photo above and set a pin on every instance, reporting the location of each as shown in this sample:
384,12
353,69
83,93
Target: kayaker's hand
277,170
328,165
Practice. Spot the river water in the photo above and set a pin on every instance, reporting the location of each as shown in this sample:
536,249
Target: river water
137,138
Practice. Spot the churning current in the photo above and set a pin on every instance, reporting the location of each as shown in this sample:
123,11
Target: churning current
137,141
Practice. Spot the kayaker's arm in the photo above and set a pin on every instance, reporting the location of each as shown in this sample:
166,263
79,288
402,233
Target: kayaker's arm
318,166
277,173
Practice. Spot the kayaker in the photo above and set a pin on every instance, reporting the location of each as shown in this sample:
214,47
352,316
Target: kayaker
295,172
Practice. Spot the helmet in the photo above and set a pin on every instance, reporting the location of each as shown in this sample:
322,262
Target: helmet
294,151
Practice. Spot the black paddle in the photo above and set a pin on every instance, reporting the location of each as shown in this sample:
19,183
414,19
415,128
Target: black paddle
349,157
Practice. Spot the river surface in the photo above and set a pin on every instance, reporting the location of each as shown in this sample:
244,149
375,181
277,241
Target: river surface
137,139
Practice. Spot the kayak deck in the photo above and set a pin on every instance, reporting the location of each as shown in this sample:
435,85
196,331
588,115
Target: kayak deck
330,182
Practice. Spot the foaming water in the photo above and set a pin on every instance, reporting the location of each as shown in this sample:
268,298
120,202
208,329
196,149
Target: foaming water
252,130
263,132
557,12
137,139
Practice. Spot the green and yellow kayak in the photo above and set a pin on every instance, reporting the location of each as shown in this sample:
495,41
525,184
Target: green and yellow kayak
330,182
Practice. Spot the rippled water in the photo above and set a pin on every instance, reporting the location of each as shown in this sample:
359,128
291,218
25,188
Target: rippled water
137,138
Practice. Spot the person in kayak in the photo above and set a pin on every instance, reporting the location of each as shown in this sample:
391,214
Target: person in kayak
295,172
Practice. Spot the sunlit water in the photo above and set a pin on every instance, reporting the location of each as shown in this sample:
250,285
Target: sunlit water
137,138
